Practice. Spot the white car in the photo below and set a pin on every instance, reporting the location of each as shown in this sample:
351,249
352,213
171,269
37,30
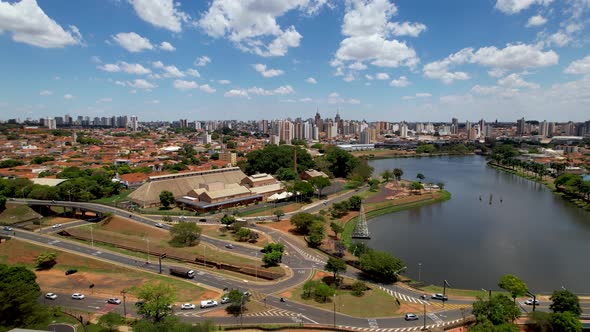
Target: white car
224,300
78,296
208,304
56,226
187,306
159,225
531,302
51,296
114,300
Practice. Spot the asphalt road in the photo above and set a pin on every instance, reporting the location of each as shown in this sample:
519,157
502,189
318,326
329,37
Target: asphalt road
300,259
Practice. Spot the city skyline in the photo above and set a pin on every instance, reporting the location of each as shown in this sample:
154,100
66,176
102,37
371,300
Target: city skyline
366,59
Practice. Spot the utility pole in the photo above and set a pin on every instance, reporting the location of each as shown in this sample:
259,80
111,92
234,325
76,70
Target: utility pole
160,261
424,327
334,309
124,292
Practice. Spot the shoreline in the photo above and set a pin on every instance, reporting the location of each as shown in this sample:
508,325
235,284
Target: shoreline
421,155
370,214
549,185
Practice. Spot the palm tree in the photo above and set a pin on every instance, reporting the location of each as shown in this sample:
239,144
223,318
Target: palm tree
386,175
420,176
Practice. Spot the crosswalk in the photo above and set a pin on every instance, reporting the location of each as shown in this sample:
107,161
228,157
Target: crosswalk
303,253
257,296
403,297
400,329
273,312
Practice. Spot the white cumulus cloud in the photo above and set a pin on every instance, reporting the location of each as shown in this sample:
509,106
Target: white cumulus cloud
311,80
535,21
581,66
122,66
224,82
68,96
202,61
29,24
516,81
406,28
252,25
161,13
262,69
185,85
45,93
132,42
193,72
382,76
515,6
401,82
166,46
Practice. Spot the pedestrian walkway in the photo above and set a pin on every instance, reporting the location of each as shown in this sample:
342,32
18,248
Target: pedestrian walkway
303,253
401,329
274,312
257,296
403,297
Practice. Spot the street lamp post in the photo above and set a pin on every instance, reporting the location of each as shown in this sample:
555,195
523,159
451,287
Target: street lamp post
534,299
256,266
424,327
334,309
419,272
148,250
91,236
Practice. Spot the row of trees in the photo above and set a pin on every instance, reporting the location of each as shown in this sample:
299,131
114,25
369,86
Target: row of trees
278,160
498,312
574,185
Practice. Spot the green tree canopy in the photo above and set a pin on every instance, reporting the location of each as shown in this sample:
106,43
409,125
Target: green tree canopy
319,183
228,219
397,172
155,300
323,292
340,162
273,247
499,310
278,213
355,203
387,175
336,266
45,260
2,203
380,265
272,258
185,234
19,292
565,301
420,176
166,198
302,222
316,233
513,285
336,228
565,322
304,188
286,174
273,157
110,322
237,302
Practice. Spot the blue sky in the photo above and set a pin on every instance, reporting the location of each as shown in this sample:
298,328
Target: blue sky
413,60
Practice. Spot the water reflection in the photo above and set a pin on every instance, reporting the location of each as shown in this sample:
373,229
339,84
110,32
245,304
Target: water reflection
531,233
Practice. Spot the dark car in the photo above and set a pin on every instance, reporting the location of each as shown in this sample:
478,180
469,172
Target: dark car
203,220
71,271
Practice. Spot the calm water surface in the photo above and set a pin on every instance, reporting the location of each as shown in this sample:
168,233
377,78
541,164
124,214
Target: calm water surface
532,233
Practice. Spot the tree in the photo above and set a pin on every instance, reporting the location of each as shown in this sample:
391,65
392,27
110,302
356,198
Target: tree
441,185
228,220
237,302
323,292
416,186
358,249
155,300
185,234
302,222
273,247
340,162
336,228
513,285
397,172
316,234
110,322
309,288
319,183
45,260
19,292
540,321
380,265
358,288
286,174
499,310
565,301
355,203
420,176
304,188
243,234
336,266
566,322
279,213
166,198
2,203
386,175
272,158
272,258
362,171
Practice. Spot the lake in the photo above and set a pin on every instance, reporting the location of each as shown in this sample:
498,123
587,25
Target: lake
532,233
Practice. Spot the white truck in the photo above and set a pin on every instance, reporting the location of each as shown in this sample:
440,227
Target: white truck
182,272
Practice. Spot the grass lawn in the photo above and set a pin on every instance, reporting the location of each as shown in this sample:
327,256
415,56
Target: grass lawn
114,199
431,289
133,234
220,232
15,213
374,302
109,279
267,211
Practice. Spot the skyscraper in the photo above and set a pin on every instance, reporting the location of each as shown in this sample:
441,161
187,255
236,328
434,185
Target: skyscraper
520,127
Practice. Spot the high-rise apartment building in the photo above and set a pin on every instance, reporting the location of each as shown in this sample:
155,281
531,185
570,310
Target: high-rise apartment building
520,127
